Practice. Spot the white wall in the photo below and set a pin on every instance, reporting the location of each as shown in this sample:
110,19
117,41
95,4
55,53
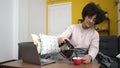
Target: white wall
32,18
6,24
15,29
18,19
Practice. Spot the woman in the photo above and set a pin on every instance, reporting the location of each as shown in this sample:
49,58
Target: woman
83,35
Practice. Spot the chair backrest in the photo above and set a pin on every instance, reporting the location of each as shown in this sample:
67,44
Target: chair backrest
108,45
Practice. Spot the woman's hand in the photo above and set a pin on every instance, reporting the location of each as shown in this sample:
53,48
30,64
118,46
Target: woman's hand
87,59
62,40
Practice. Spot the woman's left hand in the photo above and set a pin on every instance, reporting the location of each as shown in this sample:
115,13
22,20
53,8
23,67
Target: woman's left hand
87,59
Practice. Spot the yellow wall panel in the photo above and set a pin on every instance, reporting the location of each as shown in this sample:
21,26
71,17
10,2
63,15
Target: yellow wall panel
107,5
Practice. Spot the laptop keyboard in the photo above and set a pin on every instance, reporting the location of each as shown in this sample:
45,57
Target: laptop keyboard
45,60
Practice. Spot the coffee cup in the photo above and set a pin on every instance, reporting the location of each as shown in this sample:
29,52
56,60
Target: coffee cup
77,60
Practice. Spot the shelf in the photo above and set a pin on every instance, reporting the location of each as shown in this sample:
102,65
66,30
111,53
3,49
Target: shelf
103,30
106,29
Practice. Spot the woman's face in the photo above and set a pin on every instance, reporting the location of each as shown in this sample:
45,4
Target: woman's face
89,21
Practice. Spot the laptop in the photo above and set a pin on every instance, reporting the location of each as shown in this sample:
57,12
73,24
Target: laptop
28,53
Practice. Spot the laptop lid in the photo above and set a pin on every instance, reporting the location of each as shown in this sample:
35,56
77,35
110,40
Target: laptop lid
28,53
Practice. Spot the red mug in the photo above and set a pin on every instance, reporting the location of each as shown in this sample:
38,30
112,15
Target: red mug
77,60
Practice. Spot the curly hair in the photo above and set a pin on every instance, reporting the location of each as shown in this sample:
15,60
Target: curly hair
92,9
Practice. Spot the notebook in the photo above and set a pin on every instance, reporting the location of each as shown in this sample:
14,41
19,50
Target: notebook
28,53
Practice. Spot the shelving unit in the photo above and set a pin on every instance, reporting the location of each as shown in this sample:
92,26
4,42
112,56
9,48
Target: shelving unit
103,27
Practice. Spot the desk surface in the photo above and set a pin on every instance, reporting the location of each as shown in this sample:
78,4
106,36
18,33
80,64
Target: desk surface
58,64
